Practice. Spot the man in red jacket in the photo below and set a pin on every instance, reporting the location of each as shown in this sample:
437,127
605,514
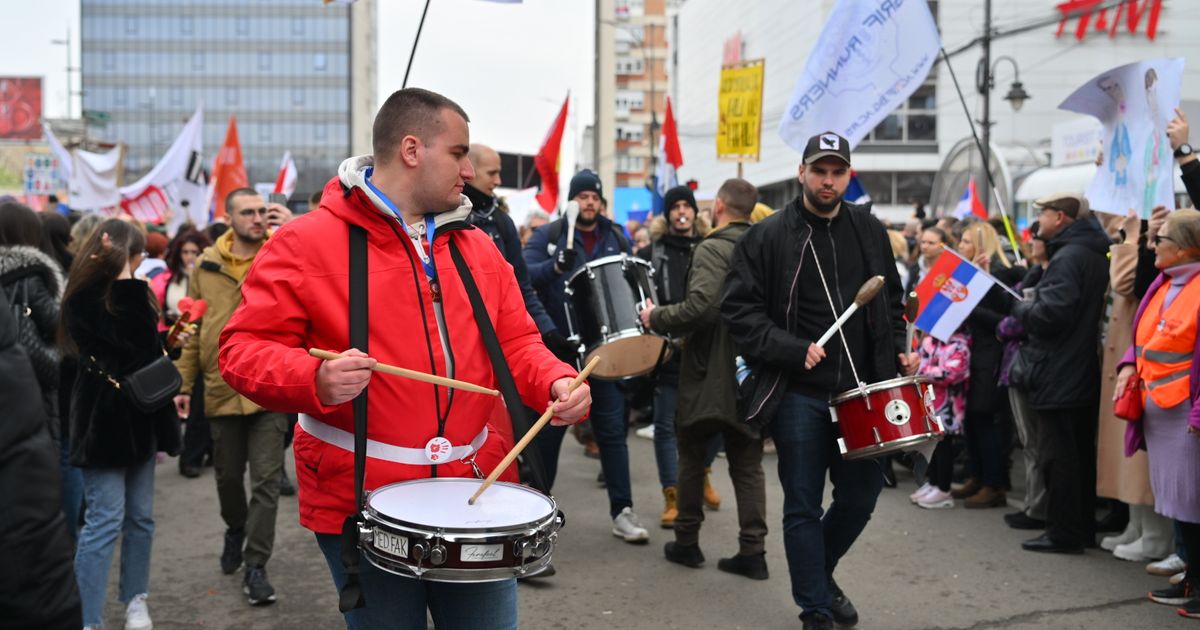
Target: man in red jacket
408,198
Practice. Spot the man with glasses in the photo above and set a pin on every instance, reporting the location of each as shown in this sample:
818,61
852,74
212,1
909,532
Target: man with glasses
243,433
1063,324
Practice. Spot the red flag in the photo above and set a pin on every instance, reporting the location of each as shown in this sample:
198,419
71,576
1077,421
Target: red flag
670,137
229,172
285,181
546,160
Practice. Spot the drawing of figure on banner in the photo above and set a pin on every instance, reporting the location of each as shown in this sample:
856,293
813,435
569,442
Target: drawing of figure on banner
1134,103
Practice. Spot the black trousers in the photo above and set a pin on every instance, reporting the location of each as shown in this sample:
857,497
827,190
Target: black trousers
197,438
1191,540
1068,460
941,465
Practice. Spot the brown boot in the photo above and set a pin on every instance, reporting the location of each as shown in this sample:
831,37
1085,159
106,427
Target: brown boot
712,499
987,497
670,509
967,489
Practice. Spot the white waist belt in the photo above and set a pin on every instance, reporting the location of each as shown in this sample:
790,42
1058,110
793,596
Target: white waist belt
389,452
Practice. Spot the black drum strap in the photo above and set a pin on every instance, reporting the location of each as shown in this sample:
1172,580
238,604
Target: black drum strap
351,596
504,378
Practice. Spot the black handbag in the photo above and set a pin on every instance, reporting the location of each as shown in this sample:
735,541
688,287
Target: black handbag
150,387
42,353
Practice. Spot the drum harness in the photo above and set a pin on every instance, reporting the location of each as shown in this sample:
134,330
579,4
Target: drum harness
862,387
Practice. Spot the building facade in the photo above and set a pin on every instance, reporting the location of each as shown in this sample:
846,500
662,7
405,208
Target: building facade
287,69
899,161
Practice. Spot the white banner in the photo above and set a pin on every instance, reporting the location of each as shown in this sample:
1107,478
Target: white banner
870,57
91,177
179,175
1134,103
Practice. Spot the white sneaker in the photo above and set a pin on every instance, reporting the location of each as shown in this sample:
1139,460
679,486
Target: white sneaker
137,616
936,500
645,432
628,527
1177,578
1131,552
1167,566
1108,543
922,491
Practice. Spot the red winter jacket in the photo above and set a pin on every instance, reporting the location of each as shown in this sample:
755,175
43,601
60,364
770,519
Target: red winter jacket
295,297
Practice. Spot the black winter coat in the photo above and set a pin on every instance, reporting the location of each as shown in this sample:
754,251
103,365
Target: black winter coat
759,292
29,276
37,575
107,430
1063,319
986,348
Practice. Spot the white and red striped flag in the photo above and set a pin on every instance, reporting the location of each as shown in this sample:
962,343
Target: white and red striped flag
285,182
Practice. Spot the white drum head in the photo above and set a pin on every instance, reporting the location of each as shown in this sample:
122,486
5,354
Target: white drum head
442,503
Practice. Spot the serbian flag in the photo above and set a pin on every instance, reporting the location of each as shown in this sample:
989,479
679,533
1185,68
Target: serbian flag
855,193
952,288
670,157
970,203
229,172
546,160
285,182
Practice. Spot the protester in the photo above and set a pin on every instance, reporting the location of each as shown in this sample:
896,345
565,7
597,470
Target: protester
1060,367
707,395
933,241
551,264
419,315
244,434
109,321
37,580
900,253
773,311
947,364
1165,358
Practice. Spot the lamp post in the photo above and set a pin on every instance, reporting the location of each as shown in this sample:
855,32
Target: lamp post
985,80
70,93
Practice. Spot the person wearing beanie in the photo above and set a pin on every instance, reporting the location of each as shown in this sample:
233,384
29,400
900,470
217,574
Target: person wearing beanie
551,263
674,237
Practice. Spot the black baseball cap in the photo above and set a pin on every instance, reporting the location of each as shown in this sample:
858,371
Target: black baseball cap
827,144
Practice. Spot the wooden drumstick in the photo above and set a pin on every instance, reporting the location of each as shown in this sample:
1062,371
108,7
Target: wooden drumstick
572,213
912,308
413,374
865,294
537,426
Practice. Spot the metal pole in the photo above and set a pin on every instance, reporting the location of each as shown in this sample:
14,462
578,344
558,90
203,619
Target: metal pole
416,40
986,92
69,95
649,57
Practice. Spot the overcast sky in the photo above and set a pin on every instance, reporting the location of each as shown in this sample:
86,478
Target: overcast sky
509,65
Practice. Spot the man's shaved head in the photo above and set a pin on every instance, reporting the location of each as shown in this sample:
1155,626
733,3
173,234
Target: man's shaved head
487,168
409,112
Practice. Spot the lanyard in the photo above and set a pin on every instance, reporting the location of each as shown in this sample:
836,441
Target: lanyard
430,266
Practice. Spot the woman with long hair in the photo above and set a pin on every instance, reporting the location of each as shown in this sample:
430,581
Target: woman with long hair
109,322
1165,358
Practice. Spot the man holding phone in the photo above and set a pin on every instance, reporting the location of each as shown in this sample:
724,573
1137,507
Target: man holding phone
243,433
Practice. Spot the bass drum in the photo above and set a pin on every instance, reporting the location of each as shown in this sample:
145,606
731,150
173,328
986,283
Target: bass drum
604,298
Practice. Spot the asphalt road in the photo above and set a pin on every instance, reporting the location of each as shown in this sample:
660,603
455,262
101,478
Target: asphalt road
911,569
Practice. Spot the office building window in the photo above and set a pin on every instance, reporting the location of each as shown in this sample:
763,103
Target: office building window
131,25
231,96
630,66
241,25
320,132
121,96
264,61
631,133
320,62
176,95
108,60
914,122
197,61
297,96
297,26
187,25
897,188
264,132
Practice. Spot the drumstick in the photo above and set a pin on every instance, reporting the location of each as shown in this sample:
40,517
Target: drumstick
912,308
865,294
537,426
413,374
571,213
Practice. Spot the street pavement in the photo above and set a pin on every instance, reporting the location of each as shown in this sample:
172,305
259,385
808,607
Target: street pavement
911,569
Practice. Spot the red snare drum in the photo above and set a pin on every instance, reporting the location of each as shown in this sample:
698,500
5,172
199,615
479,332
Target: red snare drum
885,417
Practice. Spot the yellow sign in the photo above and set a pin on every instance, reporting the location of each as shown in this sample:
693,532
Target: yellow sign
739,111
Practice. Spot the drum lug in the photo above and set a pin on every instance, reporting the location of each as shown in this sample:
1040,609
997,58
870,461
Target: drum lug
522,549
604,330
875,430
437,555
833,414
928,427
366,535
842,445
420,551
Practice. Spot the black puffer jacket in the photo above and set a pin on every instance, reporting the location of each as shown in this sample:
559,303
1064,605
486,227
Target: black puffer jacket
759,293
30,277
986,348
1063,319
37,575
107,430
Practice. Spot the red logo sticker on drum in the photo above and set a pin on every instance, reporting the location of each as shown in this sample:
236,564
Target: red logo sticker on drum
954,290
437,450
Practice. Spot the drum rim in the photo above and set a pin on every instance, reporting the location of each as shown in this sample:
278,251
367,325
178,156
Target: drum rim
587,356
871,388
606,260
875,450
535,525
448,574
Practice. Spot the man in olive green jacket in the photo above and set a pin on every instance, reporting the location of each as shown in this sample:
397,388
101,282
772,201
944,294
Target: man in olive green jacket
708,394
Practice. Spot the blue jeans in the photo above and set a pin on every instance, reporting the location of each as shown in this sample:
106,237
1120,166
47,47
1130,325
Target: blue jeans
806,441
119,501
399,603
666,453
72,496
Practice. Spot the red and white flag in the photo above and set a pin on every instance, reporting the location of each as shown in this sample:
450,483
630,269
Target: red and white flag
670,157
546,160
285,182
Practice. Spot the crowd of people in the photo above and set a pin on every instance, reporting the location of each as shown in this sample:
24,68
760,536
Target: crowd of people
91,305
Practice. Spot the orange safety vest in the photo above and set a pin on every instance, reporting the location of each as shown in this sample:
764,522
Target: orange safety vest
1165,342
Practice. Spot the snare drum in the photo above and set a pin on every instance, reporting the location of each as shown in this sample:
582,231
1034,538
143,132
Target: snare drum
425,529
886,417
603,301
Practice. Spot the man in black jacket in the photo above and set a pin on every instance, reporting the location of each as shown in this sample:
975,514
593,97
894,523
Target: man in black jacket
37,578
1063,361
791,275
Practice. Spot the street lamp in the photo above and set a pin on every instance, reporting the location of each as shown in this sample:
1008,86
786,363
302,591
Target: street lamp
70,93
985,80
